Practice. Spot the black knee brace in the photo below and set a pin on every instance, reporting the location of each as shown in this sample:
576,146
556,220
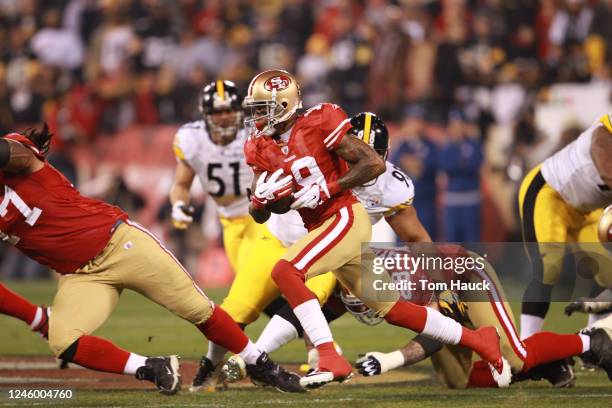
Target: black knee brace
70,352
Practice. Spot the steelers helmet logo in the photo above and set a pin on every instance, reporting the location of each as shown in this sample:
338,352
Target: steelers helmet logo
278,82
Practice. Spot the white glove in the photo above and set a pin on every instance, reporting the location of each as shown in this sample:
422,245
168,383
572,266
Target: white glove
310,197
181,215
272,189
376,363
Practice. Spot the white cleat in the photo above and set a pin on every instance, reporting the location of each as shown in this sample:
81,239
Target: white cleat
502,378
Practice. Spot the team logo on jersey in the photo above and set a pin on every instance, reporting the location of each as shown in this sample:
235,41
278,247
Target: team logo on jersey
373,202
285,149
278,82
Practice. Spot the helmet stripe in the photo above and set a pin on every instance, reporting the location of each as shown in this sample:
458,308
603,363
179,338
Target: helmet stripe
220,89
367,127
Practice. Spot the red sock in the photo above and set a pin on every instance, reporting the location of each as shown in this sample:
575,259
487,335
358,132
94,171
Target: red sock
14,305
222,330
290,281
408,315
544,347
100,354
469,338
481,376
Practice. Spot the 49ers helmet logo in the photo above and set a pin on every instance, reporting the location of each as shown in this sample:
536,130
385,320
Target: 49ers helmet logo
278,82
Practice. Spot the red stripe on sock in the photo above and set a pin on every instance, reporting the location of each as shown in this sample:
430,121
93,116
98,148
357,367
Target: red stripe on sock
100,354
16,306
222,330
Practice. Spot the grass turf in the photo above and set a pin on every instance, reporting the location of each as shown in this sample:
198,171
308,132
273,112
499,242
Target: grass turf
143,327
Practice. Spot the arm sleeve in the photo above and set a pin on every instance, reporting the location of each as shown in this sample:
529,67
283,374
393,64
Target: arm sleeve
334,125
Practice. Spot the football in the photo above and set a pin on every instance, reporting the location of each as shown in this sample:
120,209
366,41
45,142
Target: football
281,205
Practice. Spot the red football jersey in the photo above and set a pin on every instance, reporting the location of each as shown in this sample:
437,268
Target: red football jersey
46,218
309,156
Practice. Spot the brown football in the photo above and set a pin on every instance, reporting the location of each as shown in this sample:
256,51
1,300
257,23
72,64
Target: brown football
281,206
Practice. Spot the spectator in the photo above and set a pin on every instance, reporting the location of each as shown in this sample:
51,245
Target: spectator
416,155
460,158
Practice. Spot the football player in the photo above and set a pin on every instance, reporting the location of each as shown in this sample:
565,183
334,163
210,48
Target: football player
561,201
323,166
37,317
213,149
389,196
99,252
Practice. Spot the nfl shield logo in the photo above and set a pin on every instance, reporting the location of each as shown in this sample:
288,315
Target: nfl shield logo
285,149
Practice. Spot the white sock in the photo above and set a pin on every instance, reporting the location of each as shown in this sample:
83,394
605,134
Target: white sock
251,353
313,321
586,342
215,353
37,317
442,328
530,325
134,362
276,334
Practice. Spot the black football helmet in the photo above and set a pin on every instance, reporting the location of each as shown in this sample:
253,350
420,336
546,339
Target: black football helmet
372,130
221,107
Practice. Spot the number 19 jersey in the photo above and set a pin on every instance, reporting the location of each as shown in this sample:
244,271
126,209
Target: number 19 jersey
309,156
222,170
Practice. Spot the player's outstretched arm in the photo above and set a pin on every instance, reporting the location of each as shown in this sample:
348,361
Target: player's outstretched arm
418,349
364,163
17,158
406,224
179,196
601,151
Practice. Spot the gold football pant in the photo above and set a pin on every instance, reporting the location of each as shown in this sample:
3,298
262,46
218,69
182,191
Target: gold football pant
336,245
551,222
453,363
133,259
256,251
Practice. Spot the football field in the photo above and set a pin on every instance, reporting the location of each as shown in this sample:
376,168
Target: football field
143,327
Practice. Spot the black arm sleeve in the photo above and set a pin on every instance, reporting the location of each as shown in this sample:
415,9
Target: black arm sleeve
430,346
5,152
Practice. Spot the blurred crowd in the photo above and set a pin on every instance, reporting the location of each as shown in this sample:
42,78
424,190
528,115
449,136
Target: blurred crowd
443,72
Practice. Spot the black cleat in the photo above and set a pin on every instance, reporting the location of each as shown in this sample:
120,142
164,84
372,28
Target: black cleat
207,377
559,373
600,353
163,372
268,373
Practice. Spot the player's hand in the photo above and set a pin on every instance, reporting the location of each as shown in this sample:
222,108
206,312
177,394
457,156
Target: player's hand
368,365
586,305
268,191
182,215
310,197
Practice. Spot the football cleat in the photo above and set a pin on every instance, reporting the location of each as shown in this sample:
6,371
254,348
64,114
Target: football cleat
502,373
266,372
234,369
163,372
331,368
559,373
600,353
208,378
42,327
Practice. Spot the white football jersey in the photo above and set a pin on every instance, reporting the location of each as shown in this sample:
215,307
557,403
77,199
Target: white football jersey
390,192
222,170
572,173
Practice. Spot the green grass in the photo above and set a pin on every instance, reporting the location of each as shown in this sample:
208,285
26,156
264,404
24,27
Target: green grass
145,328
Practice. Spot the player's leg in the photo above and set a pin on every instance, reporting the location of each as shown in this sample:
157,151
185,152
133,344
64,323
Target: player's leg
545,219
37,317
233,232
147,267
328,247
251,291
284,326
452,365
